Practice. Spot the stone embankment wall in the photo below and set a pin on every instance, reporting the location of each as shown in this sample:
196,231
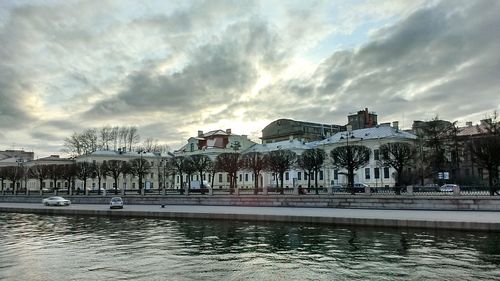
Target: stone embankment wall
464,203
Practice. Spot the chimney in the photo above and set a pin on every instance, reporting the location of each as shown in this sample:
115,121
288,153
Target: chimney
290,138
395,125
200,133
228,131
468,124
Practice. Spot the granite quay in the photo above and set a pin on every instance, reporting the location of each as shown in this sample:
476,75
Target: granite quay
457,220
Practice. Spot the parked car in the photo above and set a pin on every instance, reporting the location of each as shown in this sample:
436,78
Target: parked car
116,202
447,187
430,187
56,201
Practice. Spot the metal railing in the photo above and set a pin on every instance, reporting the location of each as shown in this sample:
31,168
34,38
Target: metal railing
303,191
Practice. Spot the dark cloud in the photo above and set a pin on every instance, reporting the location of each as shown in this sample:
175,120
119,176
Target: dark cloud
432,62
217,73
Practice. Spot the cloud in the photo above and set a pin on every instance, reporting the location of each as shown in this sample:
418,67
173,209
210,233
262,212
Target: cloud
217,73
173,68
429,63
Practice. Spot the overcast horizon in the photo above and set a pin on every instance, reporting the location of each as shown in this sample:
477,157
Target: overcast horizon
173,68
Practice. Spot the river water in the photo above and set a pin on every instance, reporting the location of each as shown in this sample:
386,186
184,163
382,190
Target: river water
36,247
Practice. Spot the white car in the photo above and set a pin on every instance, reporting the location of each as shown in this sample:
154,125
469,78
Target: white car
56,201
116,202
447,187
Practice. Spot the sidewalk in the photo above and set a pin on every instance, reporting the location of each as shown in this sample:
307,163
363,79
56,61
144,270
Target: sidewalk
460,220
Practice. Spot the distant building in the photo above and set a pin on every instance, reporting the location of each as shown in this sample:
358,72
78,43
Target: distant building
14,157
212,144
215,142
362,120
286,129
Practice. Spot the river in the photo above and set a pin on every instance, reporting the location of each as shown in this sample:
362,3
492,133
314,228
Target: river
36,247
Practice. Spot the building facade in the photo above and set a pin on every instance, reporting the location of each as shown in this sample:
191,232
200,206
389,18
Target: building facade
284,129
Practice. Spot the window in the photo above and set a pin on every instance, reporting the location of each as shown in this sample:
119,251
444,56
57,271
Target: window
253,177
246,177
241,177
58,185
103,185
133,185
191,147
305,176
299,176
312,176
204,176
66,184
376,154
386,173
197,177
178,179
321,175
335,174
114,185
287,176
43,184
367,173
480,173
228,178
220,177
152,175
377,173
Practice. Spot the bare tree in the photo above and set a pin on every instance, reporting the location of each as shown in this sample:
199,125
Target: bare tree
351,158
14,174
115,169
68,173
39,172
255,162
99,171
486,154
83,172
3,176
312,160
229,163
398,155
177,163
114,137
105,137
139,167
54,174
123,136
280,161
132,137
74,145
200,164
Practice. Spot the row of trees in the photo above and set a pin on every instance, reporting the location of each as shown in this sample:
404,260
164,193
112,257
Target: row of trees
110,138
81,170
397,155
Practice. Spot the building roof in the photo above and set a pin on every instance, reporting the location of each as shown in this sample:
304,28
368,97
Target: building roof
378,132
215,133
289,144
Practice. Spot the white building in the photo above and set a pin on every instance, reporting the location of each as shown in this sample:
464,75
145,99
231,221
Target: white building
212,144
372,174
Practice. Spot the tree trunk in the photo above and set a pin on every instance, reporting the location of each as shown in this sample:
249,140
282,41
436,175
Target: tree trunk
316,182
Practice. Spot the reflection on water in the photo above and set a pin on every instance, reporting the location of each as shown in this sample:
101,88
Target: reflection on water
35,247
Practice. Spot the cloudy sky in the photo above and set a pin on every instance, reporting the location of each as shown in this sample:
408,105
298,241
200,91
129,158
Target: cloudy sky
174,67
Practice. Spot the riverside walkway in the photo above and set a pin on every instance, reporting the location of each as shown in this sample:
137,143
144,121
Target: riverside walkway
458,220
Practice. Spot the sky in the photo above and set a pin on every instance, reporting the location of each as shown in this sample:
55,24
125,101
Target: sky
172,68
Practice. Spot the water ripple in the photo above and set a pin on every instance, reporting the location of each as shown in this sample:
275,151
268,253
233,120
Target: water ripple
35,247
